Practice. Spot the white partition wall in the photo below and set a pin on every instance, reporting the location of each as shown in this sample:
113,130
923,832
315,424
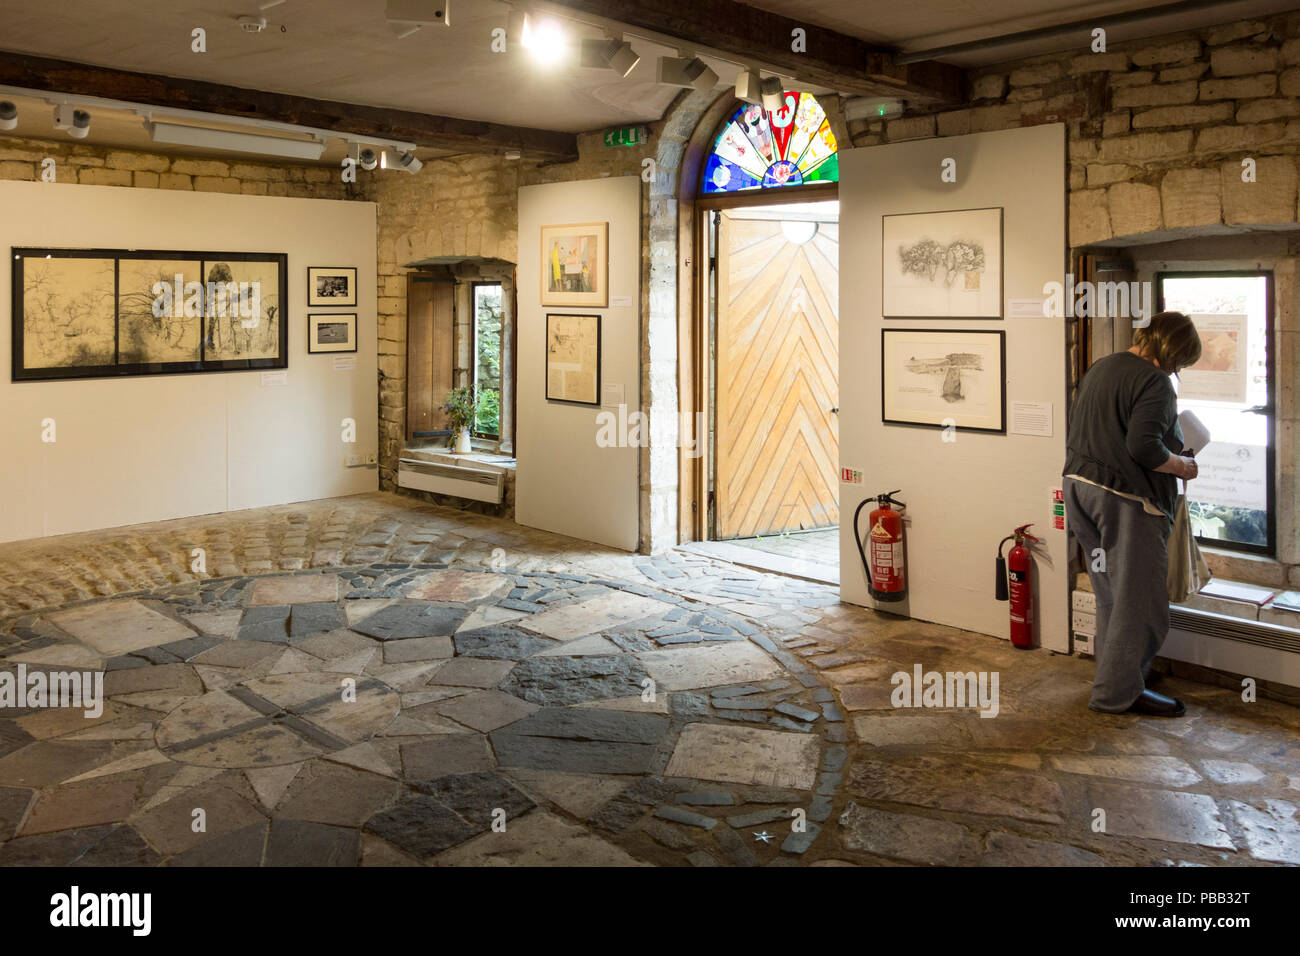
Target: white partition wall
566,482
963,495
149,448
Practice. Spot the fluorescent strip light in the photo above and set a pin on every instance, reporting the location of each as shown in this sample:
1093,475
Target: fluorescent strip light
202,138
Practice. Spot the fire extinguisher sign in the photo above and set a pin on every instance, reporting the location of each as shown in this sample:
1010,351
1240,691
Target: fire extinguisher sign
851,476
1058,508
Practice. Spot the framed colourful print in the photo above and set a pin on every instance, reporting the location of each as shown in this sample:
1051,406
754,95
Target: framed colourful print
331,285
332,332
575,265
573,359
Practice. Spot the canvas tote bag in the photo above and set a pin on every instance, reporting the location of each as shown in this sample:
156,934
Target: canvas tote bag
1188,572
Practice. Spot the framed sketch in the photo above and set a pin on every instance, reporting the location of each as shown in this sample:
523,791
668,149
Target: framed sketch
332,332
944,377
573,359
97,313
575,265
331,285
942,264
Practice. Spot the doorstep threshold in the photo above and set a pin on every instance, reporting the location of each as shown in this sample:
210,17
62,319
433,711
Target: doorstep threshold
757,560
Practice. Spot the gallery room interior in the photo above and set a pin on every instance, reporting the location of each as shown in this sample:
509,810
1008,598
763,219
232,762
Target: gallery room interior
649,433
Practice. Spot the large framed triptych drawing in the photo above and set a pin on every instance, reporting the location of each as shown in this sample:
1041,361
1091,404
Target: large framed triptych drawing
573,359
575,265
944,378
942,265
97,313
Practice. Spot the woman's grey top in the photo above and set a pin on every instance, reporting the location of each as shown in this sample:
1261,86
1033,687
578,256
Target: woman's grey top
1124,425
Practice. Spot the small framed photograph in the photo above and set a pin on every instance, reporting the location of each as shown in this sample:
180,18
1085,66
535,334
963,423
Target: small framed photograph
944,377
333,332
575,265
331,285
573,359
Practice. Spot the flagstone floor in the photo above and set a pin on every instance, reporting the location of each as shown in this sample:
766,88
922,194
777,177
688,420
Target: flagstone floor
373,680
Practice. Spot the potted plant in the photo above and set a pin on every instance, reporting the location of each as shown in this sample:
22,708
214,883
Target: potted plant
462,408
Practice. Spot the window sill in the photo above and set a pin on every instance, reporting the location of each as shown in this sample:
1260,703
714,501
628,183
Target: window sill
1245,568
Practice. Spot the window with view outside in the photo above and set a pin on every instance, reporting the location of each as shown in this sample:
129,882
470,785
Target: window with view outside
1230,391
487,358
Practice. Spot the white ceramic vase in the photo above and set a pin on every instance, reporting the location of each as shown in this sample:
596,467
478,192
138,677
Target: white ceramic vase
463,446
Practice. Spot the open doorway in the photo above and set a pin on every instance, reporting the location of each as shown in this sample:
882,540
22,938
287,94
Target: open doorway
774,387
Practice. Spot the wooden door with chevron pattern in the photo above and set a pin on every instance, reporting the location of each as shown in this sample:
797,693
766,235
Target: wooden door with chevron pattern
776,433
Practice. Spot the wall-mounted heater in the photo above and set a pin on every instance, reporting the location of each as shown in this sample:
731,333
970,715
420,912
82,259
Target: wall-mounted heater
462,481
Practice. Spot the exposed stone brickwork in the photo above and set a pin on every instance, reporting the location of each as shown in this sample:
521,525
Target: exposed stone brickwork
21,159
1157,129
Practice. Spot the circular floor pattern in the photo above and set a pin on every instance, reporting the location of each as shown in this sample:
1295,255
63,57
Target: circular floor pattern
390,712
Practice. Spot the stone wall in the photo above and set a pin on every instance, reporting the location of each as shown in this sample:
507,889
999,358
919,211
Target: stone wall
463,206
1157,129
22,159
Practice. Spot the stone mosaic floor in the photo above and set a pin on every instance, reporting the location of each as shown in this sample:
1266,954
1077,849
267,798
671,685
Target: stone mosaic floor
376,681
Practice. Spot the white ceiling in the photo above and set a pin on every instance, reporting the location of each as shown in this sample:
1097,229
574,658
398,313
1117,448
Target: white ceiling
345,50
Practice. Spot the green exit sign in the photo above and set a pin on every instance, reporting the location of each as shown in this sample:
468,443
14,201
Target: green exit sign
626,136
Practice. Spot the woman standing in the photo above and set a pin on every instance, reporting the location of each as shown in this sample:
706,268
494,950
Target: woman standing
1123,453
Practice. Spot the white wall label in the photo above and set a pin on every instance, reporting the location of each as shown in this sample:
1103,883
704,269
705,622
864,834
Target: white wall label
1025,308
1057,496
620,301
612,394
275,378
1031,418
851,476
344,363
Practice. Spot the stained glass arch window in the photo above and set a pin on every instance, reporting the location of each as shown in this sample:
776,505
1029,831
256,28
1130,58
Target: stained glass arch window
793,146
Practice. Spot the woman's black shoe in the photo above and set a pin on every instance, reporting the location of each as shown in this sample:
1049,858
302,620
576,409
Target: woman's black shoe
1157,705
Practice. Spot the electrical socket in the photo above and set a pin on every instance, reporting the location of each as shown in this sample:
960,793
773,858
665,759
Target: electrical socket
353,461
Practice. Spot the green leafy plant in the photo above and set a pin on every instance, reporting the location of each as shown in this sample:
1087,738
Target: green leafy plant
463,406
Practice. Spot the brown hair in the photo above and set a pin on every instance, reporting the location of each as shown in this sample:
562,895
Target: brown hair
1171,339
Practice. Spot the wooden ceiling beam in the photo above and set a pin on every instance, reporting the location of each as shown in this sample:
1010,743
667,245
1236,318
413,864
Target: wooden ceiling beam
733,30
424,129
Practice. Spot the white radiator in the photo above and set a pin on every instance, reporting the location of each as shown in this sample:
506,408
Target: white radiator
462,481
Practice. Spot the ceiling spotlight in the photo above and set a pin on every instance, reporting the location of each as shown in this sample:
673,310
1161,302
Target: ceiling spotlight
680,71
74,122
609,53
748,86
365,157
773,90
398,159
545,40
8,115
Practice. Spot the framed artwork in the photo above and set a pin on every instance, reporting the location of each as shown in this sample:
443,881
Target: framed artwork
100,313
575,265
942,265
944,377
332,332
573,359
331,285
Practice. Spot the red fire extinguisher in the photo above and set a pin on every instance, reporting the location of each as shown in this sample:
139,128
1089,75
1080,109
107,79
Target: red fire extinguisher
1018,568
886,580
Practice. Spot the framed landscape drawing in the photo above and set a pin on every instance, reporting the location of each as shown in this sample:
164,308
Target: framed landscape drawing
575,265
943,377
96,313
332,332
331,285
942,264
573,359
